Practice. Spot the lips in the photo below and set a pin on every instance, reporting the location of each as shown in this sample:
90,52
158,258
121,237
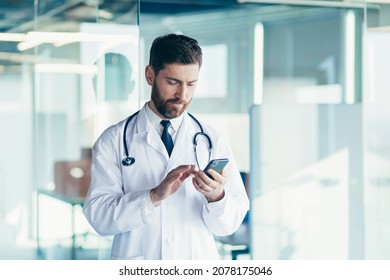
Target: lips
176,102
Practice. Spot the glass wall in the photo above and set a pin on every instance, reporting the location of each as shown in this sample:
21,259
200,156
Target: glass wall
68,70
304,160
318,149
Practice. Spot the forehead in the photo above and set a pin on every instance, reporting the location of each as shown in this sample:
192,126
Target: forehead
182,72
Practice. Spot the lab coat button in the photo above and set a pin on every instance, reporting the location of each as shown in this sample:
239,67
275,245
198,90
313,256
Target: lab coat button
169,240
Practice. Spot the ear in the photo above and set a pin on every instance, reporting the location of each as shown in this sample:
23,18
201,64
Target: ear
149,75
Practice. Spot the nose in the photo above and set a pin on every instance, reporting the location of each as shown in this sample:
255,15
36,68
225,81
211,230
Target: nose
182,91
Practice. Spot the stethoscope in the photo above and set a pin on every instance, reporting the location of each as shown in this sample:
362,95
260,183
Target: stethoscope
128,160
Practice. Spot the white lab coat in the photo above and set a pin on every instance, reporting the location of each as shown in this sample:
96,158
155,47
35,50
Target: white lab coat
182,227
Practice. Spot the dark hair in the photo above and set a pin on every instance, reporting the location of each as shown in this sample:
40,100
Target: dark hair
174,48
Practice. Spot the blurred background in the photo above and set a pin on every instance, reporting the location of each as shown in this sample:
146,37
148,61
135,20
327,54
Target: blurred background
299,88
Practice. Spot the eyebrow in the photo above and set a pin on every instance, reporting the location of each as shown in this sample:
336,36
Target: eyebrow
180,81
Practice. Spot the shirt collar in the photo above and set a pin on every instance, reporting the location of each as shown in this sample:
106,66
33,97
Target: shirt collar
155,120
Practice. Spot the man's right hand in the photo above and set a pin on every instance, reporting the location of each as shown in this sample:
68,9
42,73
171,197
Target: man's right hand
171,183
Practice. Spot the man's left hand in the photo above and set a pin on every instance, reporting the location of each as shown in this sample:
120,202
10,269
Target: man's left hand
211,188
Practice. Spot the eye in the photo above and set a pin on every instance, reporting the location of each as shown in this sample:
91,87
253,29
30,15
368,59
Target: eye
172,82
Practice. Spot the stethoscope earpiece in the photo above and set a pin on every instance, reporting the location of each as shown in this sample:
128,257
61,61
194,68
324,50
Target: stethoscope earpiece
127,161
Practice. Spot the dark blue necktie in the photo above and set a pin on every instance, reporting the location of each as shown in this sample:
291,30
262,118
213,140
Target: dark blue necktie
166,137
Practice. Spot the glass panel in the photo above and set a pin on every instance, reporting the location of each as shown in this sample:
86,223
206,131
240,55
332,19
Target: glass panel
307,137
307,181
319,173
68,70
89,81
308,54
377,133
15,142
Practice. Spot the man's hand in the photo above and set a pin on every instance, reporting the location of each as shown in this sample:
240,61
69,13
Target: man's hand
171,183
211,188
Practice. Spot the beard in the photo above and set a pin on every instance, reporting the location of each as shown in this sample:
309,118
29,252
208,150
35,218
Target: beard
168,108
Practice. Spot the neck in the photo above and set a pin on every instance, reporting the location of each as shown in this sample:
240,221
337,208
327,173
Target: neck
154,109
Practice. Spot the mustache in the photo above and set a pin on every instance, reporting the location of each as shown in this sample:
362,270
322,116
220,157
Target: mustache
176,101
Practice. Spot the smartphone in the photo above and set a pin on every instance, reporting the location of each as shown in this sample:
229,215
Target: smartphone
217,165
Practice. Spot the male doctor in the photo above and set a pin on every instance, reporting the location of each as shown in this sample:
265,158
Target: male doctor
162,205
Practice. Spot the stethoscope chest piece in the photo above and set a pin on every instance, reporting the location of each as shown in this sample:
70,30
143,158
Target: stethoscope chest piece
127,161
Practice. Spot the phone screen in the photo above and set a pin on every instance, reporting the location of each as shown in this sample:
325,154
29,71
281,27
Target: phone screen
217,165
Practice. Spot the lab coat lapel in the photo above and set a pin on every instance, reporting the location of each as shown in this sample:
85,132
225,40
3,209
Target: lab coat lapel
152,137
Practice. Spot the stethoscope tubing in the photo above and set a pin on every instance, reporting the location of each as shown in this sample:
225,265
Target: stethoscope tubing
127,161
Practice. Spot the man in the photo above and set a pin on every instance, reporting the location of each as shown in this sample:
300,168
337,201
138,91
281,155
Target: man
160,204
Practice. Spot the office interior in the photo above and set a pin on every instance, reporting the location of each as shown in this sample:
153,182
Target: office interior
299,88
